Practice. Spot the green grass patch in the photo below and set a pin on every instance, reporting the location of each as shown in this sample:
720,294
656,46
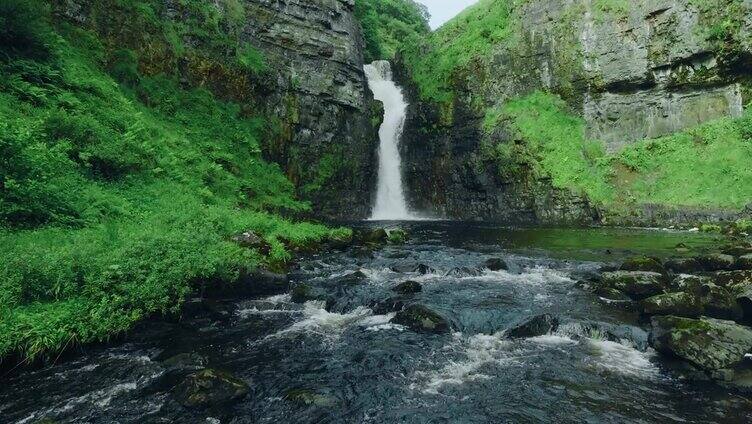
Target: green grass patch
706,166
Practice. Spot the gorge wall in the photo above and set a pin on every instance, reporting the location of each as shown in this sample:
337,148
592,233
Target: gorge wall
631,70
322,119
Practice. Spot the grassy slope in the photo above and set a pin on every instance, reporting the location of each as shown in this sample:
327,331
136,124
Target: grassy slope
706,166
388,25
120,185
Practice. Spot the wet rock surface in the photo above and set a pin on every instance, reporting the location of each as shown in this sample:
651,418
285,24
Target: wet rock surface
536,326
209,387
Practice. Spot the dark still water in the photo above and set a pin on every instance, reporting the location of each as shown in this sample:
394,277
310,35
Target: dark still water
345,363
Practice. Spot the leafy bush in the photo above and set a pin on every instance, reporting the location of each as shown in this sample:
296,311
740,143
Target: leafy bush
389,24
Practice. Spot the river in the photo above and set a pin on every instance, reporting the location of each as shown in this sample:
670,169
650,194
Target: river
352,365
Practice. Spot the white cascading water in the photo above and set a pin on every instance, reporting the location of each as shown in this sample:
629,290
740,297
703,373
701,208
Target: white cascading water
390,197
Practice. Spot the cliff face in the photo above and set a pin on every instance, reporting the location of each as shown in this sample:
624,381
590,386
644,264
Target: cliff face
328,116
632,70
310,87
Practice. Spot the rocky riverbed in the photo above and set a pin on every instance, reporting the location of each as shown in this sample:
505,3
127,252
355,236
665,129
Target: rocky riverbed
443,323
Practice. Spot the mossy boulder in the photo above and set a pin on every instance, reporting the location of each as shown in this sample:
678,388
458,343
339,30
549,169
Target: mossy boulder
717,262
642,263
408,287
210,387
744,262
737,249
636,284
707,343
680,304
612,295
397,236
536,326
684,265
341,241
377,236
732,278
720,302
496,264
420,318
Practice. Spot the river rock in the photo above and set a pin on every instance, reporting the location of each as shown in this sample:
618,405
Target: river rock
209,387
397,236
463,272
720,303
684,265
408,287
708,343
377,236
537,326
717,262
612,295
680,304
732,278
740,249
304,292
496,264
642,263
258,283
305,397
420,318
393,304
744,262
636,284
352,278
423,269
251,240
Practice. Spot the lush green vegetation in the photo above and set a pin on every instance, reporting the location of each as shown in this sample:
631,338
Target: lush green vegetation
388,25
552,143
434,60
706,166
121,183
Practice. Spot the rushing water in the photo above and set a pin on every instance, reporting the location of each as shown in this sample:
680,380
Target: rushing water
390,196
357,367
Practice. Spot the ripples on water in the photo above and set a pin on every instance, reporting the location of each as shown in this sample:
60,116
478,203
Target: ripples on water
360,368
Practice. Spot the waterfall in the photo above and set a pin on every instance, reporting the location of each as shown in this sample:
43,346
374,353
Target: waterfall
390,196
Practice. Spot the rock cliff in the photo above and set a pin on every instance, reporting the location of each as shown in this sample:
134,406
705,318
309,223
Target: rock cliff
631,70
321,117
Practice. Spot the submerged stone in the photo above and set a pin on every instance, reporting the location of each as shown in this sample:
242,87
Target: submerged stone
744,262
408,287
537,326
424,269
209,387
305,397
496,264
420,318
708,343
463,272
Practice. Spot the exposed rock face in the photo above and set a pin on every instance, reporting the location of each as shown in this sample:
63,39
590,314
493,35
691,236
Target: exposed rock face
632,70
420,318
322,118
328,115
